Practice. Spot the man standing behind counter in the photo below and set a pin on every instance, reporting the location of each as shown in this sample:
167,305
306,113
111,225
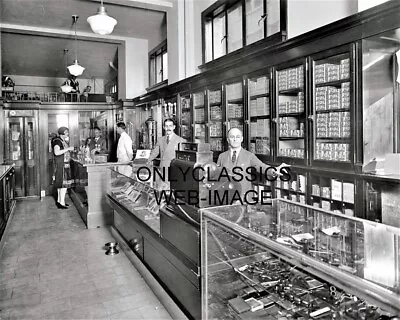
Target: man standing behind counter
97,144
124,148
166,146
236,156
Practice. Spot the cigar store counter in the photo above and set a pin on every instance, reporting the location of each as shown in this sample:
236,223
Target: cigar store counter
280,260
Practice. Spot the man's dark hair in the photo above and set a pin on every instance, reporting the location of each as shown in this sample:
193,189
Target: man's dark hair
169,120
121,125
96,128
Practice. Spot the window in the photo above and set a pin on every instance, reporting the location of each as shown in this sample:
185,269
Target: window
158,64
229,25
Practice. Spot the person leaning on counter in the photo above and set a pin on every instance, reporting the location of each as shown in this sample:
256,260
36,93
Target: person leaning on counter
236,156
166,146
97,144
124,148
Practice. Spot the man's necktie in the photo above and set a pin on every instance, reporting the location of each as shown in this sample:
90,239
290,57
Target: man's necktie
234,157
167,139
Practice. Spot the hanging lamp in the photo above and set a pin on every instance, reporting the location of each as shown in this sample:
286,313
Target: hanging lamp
75,69
66,88
101,23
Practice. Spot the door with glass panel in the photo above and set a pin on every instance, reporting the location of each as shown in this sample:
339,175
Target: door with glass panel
21,137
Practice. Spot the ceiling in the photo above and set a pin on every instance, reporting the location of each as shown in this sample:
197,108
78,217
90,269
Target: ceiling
36,32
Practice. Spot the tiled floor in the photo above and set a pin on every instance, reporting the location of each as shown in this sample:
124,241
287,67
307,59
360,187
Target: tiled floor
52,267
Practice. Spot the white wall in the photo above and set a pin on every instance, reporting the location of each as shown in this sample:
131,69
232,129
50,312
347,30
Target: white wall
136,67
366,4
307,15
46,84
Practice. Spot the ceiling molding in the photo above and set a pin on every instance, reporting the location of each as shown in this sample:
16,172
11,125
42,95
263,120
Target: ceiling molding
155,5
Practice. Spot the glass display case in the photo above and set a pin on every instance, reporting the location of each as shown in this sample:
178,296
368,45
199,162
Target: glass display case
129,189
260,115
199,117
287,260
291,112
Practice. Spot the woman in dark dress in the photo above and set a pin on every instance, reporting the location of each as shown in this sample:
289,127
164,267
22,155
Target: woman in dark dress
62,170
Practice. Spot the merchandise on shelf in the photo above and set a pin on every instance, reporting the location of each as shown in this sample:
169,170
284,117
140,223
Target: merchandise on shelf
199,115
292,152
291,78
332,151
234,91
259,86
327,72
216,113
198,99
214,96
234,110
333,124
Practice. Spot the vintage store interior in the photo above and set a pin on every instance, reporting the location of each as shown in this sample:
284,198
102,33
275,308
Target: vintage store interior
313,85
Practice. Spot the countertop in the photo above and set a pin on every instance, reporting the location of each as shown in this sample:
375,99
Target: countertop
4,168
99,164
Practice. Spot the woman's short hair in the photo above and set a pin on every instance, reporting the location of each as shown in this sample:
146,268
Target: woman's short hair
62,130
121,125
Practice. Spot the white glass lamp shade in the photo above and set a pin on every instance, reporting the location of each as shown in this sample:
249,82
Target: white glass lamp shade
102,23
75,69
66,88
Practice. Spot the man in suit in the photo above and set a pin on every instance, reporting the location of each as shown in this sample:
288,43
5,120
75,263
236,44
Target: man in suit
165,147
236,156
97,144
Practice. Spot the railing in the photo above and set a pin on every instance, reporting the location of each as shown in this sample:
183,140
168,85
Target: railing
43,96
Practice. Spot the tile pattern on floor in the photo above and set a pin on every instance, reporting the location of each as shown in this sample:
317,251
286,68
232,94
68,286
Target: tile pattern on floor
52,267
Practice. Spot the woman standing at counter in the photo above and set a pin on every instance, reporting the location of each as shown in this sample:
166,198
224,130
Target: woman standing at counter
62,170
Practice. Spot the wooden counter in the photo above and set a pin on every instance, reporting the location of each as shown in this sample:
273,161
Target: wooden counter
93,206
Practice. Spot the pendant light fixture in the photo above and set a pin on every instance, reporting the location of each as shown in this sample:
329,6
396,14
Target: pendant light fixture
75,69
102,23
66,88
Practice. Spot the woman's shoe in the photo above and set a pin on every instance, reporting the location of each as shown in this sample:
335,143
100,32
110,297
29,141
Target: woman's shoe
60,206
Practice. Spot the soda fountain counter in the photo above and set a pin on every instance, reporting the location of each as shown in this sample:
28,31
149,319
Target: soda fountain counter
285,260
91,180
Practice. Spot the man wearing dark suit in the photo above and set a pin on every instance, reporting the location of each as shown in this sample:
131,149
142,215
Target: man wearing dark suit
236,156
97,144
166,147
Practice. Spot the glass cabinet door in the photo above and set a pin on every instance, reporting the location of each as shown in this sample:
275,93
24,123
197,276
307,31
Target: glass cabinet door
332,106
186,120
216,118
234,105
219,39
31,161
199,117
260,115
380,92
291,114
16,153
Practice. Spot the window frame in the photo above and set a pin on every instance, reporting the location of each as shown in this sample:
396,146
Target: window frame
222,6
157,52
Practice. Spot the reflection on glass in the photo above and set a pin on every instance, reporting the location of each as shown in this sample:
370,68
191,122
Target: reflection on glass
30,145
379,88
208,40
15,141
356,246
254,21
219,39
235,31
273,17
